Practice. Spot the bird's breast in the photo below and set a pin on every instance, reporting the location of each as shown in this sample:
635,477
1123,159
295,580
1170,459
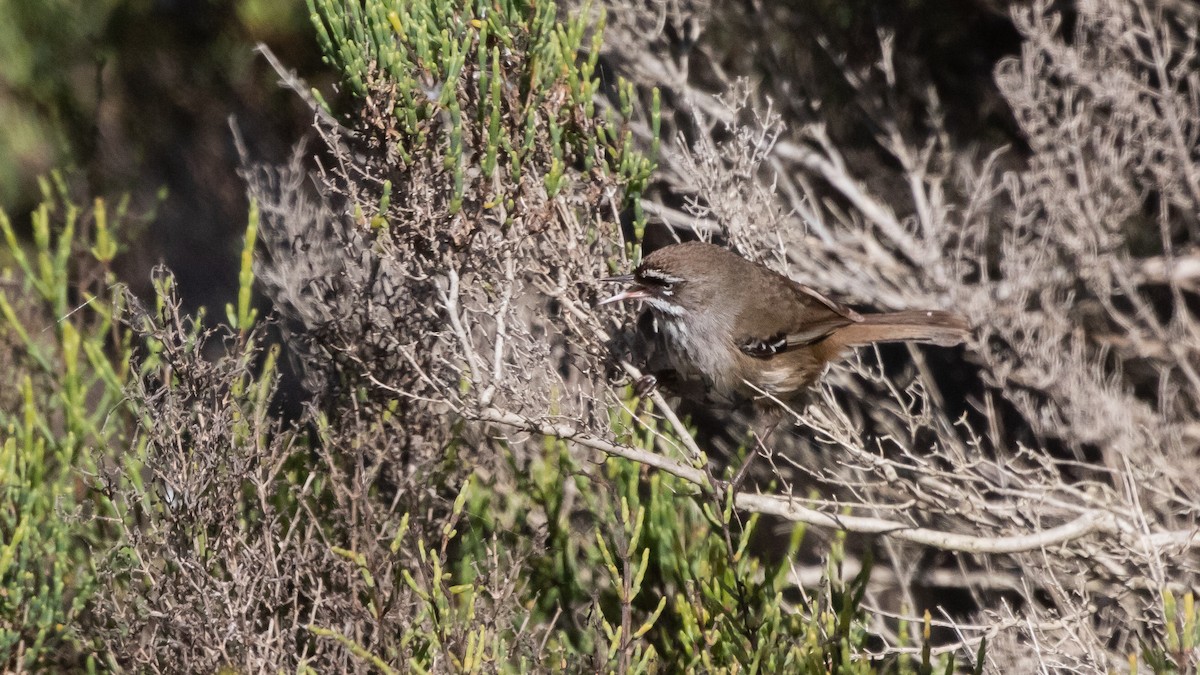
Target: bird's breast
698,354
707,354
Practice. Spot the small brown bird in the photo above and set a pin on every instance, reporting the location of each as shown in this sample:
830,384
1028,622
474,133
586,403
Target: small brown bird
738,329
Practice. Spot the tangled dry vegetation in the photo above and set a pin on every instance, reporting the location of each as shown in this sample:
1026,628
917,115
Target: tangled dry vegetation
445,496
1044,476
1056,457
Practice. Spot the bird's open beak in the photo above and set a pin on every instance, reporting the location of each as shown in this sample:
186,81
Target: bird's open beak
633,293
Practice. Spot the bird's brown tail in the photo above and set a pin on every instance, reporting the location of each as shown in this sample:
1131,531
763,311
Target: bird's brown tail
931,326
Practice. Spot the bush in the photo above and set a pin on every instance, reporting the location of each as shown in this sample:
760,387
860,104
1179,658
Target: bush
427,455
161,516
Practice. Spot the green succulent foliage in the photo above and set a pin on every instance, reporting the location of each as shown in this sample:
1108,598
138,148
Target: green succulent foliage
443,623
66,447
639,570
498,86
1177,648
645,573
61,415
722,608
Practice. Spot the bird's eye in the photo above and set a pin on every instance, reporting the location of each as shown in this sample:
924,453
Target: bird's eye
666,288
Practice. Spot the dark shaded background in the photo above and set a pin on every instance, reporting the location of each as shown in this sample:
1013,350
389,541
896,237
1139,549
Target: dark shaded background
135,98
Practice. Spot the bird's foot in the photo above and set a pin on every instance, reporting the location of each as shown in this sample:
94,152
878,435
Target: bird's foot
645,385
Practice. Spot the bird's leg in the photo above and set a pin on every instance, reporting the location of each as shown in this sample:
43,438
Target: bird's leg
654,379
645,385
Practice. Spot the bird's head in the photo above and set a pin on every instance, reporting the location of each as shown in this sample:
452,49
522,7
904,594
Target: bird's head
676,279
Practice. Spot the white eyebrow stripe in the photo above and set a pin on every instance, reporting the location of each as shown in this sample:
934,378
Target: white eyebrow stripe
659,275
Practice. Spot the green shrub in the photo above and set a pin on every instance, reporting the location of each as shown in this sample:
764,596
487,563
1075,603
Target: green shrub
63,423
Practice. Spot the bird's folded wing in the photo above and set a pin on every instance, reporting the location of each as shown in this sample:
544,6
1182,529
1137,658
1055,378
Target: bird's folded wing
809,333
837,307
788,315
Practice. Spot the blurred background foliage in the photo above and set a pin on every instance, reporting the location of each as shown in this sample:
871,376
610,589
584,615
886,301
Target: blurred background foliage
135,97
